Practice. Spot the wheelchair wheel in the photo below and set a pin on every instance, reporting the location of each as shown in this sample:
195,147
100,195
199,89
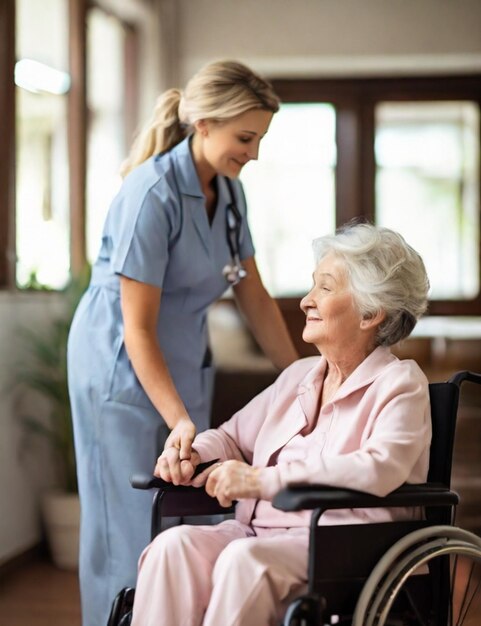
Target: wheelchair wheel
450,549
121,611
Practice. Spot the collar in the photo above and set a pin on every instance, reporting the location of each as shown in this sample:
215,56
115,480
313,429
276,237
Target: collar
362,376
308,390
185,172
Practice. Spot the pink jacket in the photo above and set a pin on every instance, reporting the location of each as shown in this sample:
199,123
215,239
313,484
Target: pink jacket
375,433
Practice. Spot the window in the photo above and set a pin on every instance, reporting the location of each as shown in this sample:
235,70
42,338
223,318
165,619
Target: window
43,105
427,188
106,145
290,193
403,152
407,157
42,188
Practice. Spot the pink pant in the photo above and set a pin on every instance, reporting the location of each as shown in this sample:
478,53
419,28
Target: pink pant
221,575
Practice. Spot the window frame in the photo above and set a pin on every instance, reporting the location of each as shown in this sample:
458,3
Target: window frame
77,128
7,145
355,100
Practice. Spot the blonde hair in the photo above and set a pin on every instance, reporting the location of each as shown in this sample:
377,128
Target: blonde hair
219,92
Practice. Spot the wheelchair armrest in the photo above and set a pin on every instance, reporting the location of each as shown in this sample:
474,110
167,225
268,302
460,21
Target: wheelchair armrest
178,500
147,481
299,497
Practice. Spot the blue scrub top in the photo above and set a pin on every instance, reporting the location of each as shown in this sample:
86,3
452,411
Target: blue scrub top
157,232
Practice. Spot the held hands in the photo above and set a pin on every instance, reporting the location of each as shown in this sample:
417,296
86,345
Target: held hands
227,481
173,469
178,461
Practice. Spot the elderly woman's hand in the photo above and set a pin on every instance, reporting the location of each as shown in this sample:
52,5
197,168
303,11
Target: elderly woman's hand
232,480
171,468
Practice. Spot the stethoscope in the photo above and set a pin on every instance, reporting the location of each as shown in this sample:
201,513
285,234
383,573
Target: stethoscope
234,271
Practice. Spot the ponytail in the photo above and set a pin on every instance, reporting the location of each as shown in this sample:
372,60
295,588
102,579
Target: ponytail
219,92
163,131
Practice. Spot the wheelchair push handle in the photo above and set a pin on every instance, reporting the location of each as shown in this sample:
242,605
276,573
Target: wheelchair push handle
465,375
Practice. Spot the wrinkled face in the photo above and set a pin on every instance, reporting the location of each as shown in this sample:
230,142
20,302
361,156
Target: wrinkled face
332,319
228,146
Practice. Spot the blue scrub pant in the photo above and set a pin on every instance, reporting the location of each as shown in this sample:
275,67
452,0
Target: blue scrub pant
113,441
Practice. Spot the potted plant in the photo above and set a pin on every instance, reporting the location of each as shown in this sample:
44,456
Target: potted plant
45,371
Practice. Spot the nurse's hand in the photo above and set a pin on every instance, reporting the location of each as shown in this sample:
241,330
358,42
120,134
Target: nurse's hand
232,480
171,468
181,437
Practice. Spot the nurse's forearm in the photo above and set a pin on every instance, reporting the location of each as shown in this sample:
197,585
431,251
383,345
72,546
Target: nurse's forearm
264,317
154,376
268,326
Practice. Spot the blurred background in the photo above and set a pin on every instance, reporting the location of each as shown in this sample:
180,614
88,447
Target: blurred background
380,119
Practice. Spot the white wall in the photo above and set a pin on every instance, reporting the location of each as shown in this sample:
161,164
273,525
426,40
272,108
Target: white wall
332,37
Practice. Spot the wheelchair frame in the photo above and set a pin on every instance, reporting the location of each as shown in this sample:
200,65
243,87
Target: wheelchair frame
413,542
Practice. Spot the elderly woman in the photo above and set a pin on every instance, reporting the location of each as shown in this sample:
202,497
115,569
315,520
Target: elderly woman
355,417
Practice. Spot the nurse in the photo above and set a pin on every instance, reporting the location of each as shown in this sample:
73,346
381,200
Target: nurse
139,364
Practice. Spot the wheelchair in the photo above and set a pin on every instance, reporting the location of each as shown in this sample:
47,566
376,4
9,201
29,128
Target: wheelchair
381,574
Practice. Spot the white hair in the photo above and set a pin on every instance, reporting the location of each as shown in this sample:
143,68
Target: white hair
385,274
